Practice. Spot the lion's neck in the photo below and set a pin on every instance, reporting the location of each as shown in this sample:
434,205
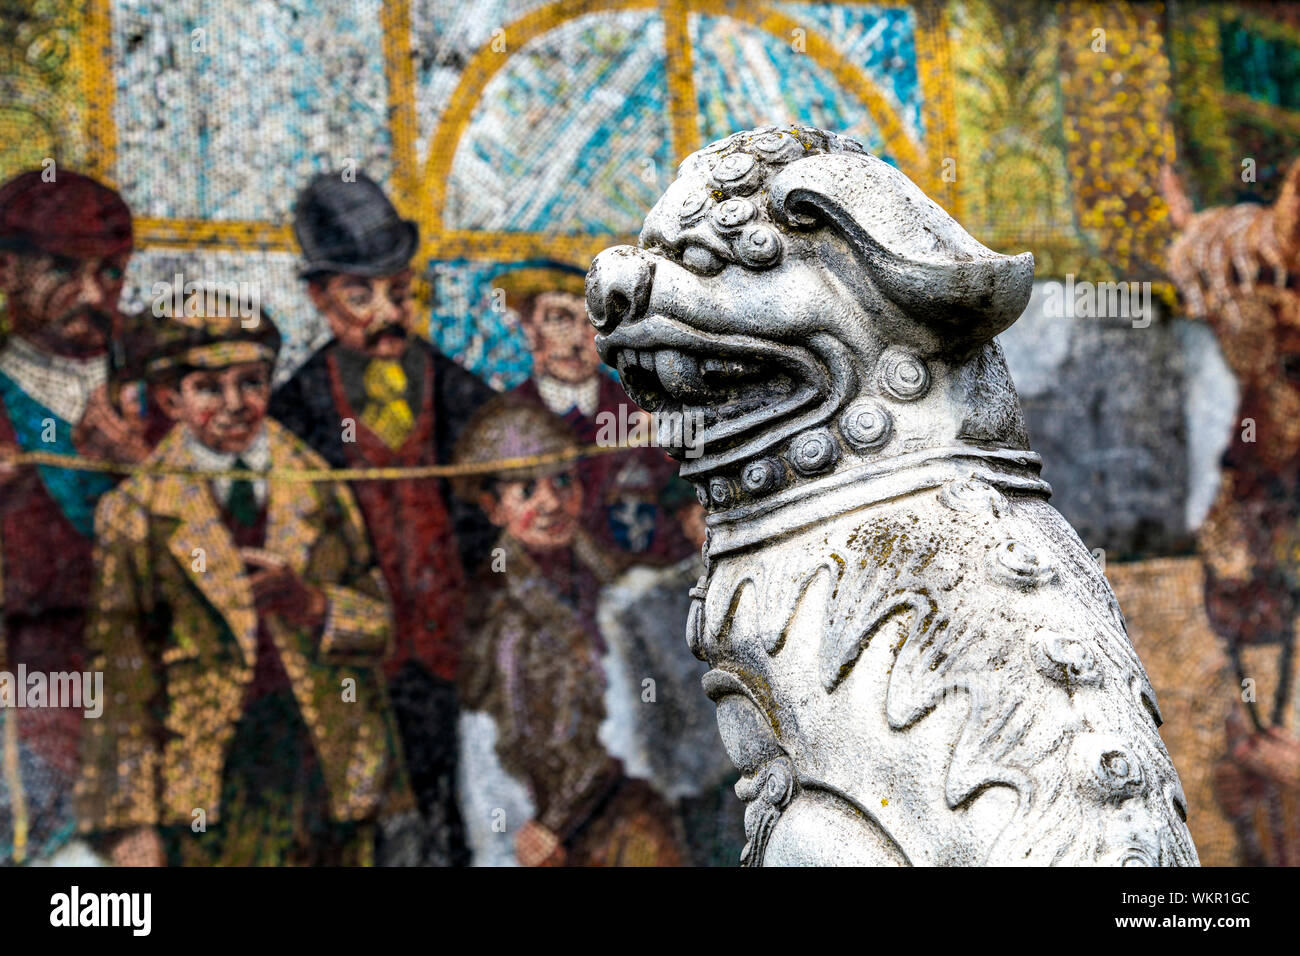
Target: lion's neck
863,485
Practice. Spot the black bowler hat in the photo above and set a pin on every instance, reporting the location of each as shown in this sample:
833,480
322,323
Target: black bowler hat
350,226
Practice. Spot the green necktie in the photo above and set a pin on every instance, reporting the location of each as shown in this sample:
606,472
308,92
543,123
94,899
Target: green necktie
241,503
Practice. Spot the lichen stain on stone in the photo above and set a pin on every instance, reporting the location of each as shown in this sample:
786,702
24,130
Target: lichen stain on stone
761,688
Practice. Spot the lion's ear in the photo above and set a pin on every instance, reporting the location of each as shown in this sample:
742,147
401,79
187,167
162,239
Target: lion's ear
916,254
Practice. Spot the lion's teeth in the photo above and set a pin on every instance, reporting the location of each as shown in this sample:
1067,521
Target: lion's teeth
679,374
727,368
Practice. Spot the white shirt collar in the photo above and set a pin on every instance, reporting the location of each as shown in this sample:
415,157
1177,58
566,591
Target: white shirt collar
560,397
257,456
61,384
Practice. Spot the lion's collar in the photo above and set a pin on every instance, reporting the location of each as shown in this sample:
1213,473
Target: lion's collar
815,501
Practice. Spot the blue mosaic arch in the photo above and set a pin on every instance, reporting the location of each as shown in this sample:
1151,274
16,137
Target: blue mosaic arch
881,41
571,136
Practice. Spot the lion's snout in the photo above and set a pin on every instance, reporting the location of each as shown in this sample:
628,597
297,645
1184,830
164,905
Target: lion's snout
618,287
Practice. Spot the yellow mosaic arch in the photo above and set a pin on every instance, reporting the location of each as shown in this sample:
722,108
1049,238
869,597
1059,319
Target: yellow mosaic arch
487,62
95,67
421,193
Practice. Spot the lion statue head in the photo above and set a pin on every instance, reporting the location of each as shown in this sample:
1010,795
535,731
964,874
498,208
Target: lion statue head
813,310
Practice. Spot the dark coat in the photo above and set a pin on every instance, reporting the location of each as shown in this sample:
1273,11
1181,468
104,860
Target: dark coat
304,405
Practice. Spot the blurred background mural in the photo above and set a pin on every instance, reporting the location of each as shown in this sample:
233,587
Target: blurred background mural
522,133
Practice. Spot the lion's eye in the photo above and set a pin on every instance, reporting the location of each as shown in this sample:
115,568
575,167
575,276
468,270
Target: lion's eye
702,260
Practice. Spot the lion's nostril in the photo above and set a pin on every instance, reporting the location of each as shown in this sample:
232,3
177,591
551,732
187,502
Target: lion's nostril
618,287
617,306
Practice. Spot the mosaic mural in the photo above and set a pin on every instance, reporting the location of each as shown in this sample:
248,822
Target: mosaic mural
407,194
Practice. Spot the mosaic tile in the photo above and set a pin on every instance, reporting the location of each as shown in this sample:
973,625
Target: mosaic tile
517,138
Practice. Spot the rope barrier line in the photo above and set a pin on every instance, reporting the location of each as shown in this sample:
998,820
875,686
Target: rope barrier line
78,463
14,782
9,767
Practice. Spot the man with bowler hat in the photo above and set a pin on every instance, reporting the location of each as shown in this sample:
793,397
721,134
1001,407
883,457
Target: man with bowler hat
378,395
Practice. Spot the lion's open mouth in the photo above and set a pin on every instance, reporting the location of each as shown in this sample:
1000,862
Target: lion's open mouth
718,389
740,392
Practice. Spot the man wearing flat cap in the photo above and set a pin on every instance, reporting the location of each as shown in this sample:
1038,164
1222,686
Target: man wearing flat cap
621,489
64,245
379,395
239,622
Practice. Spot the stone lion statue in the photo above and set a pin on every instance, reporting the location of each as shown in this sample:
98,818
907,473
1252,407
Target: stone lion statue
913,657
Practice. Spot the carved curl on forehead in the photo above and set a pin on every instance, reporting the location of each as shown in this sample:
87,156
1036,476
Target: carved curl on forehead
719,201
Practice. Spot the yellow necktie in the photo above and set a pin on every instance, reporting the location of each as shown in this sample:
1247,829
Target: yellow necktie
387,413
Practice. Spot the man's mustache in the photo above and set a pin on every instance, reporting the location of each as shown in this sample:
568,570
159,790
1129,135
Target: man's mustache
373,338
101,320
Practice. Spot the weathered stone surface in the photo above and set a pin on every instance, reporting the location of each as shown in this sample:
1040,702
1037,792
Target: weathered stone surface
913,656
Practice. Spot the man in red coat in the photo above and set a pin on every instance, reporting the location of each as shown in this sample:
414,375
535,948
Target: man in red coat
377,396
64,246
621,489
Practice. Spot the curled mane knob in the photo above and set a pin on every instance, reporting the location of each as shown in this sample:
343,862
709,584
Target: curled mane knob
761,476
903,375
1112,770
866,425
737,174
759,246
693,205
814,452
1066,660
972,495
721,492
1138,856
1014,563
779,783
778,147
729,216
